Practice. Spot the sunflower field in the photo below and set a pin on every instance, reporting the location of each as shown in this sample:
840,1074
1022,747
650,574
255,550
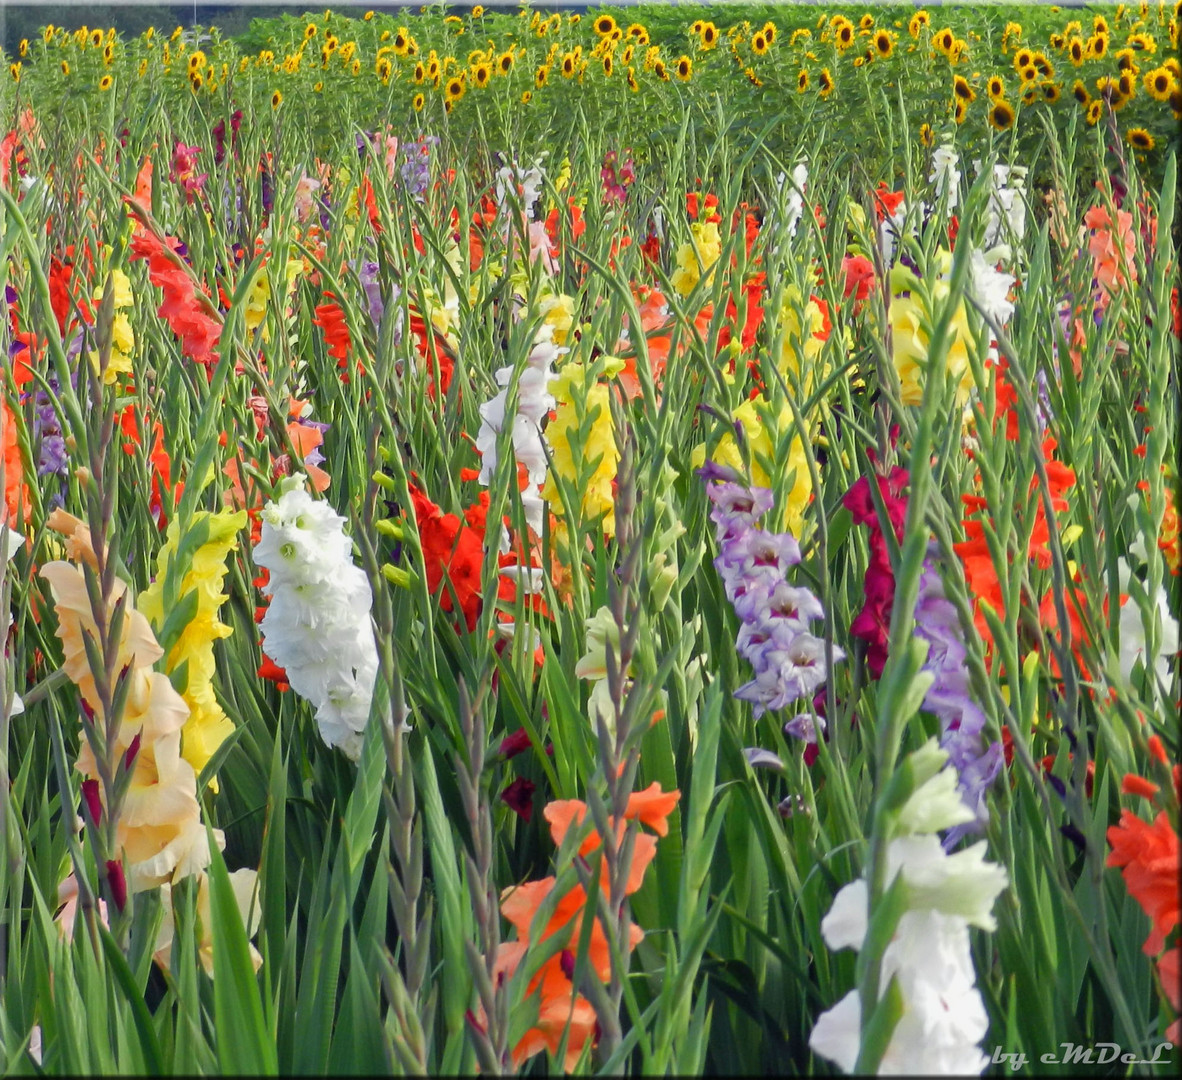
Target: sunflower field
634,541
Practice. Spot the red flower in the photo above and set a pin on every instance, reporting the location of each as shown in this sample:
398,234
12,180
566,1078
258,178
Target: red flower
190,315
1149,858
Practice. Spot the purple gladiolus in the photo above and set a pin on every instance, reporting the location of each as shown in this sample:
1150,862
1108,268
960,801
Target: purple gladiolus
962,722
788,661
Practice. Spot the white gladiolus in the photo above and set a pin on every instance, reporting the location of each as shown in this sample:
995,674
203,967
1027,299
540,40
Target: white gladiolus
944,1018
534,402
1133,644
317,625
1007,204
945,174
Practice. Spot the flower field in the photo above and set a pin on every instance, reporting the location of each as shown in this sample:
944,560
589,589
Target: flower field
642,541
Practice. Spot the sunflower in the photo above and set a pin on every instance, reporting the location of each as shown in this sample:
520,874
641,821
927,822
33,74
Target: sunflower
196,80
996,87
633,85
1080,93
944,41
1050,92
1023,58
481,74
1097,46
1127,84
1159,83
276,100
368,16
384,69
1142,43
355,68
1029,93
883,45
845,36
636,30
478,11
96,38
802,81
1045,68
919,21
454,88
1126,60
1001,115
1140,139
607,66
603,25
317,87
684,68
505,62
1056,41
824,83
309,31
962,90
866,22
196,60
759,43
331,42
1075,51
432,68
659,70
1100,25
960,109
417,102
65,68
752,78
568,65
696,27
926,136
540,76
627,54
47,33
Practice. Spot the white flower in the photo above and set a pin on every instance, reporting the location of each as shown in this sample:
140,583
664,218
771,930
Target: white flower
990,287
935,805
845,925
929,957
1132,636
945,174
317,626
1007,205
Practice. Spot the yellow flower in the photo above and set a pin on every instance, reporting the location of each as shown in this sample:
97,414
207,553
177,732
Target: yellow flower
276,100
1160,83
558,311
582,432
762,439
884,44
417,102
207,725
696,258
15,71
1140,139
684,68
910,340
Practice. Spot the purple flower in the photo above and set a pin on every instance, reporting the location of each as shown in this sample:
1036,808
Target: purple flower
416,169
962,722
788,661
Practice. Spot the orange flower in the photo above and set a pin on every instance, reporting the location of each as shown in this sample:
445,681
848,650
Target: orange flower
1113,256
559,1004
1169,967
1149,857
16,491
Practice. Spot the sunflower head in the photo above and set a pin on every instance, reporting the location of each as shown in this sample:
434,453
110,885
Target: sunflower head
684,68
802,81
417,102
996,86
276,100
883,45
961,88
1001,116
960,110
1080,93
505,62
759,43
1140,139
926,136
825,83
604,25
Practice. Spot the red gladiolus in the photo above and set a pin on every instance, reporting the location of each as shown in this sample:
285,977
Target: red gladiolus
190,315
1149,859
